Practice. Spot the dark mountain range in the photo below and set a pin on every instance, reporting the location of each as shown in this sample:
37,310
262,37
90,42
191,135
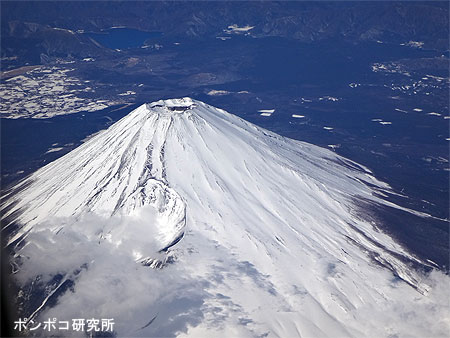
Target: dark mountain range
395,22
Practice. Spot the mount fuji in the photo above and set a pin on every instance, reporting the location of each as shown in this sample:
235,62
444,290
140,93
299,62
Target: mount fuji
184,220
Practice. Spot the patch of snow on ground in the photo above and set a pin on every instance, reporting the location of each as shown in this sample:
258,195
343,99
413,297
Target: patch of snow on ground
46,92
238,30
415,44
52,150
128,92
217,92
266,112
328,98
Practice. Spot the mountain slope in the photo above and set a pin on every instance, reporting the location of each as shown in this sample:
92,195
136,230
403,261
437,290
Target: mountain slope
264,234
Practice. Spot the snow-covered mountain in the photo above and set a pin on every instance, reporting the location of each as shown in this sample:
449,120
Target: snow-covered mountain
182,219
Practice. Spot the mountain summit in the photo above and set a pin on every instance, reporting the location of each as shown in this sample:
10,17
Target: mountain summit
182,219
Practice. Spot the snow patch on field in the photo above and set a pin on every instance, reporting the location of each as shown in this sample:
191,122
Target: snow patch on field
52,150
127,93
218,92
235,29
45,92
414,44
266,112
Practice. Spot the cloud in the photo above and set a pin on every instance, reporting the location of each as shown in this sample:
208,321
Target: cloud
99,255
216,293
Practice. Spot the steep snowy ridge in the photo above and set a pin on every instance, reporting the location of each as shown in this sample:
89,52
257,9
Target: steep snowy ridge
264,232
129,178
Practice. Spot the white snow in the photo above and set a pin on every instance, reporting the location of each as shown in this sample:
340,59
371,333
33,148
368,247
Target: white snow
52,150
128,92
328,98
380,121
217,92
271,238
236,29
437,78
415,44
45,92
266,112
